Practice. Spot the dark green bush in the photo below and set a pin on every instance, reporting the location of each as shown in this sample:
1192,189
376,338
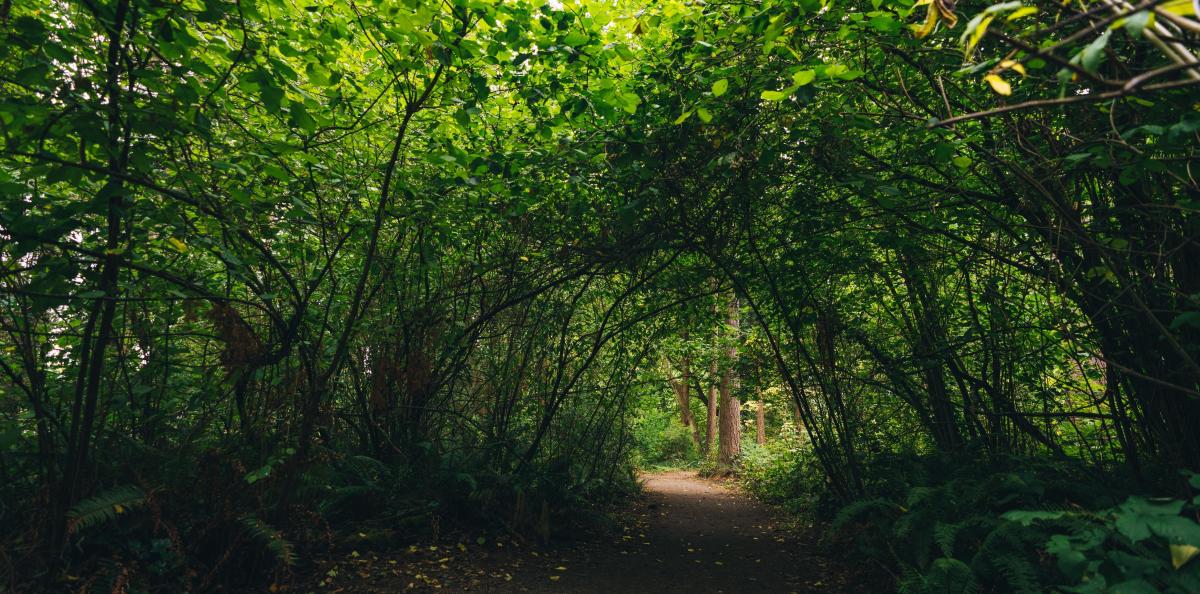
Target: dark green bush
1034,526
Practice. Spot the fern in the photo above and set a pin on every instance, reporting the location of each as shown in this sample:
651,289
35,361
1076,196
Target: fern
104,507
272,539
918,495
945,576
1004,554
944,534
367,469
911,581
1020,575
861,511
949,536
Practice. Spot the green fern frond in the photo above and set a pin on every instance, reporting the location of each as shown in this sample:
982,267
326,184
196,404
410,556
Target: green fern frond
862,511
104,507
911,581
1004,557
918,517
950,576
944,534
918,495
270,538
1019,574
945,576
334,497
366,469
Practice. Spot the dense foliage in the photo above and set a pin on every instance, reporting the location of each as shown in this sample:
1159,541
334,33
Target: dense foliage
272,268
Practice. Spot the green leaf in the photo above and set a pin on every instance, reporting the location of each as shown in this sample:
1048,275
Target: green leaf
1136,23
774,95
628,101
257,475
703,114
1187,318
1071,561
1026,518
803,77
276,172
1092,55
720,87
301,118
575,38
1175,529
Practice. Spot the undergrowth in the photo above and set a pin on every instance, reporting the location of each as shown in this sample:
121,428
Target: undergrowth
962,524
224,525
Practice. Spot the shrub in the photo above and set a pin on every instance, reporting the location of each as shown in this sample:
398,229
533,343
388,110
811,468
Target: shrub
1029,527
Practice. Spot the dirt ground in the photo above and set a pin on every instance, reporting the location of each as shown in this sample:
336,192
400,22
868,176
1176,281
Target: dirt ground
687,535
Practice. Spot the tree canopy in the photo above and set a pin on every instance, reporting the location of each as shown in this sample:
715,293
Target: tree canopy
272,265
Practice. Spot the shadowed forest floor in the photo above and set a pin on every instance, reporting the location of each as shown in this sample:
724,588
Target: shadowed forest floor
687,534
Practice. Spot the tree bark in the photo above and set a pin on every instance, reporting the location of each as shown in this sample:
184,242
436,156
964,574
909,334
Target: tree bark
710,429
683,397
760,421
730,446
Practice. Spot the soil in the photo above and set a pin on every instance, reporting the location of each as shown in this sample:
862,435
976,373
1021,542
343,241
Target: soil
687,535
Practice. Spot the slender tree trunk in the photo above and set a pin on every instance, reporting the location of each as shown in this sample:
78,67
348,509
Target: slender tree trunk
760,421
680,386
730,446
928,351
91,364
710,429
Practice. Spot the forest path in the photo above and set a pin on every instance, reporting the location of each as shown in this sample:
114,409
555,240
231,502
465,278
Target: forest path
690,535
686,535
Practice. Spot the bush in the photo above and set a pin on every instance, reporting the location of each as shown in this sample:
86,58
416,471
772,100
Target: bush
1031,526
661,440
781,472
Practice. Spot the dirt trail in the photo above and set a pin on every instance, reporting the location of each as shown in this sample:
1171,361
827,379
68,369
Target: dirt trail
687,535
694,536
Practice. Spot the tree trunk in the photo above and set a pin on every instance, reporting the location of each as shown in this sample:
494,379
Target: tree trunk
760,421
730,446
710,429
683,398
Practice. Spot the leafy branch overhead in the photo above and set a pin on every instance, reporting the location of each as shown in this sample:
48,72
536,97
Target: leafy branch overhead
285,281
